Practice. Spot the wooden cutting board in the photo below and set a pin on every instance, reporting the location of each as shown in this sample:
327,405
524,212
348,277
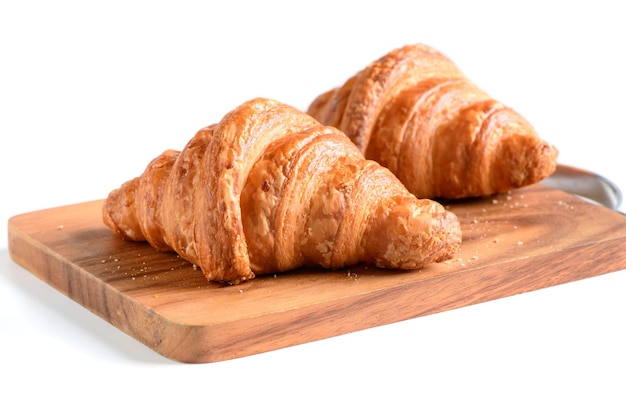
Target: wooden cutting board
513,243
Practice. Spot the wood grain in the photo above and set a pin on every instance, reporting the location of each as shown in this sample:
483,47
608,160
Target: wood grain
522,241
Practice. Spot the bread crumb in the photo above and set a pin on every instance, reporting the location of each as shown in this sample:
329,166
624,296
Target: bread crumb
60,227
520,243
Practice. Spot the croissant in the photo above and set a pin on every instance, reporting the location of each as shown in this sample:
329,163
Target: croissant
414,112
270,189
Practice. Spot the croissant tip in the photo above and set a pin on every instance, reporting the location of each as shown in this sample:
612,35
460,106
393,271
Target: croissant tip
541,164
411,236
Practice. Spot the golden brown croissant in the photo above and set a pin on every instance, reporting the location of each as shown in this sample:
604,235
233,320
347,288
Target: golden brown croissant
414,112
270,189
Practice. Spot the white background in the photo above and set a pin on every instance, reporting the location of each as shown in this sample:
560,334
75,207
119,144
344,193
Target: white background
91,91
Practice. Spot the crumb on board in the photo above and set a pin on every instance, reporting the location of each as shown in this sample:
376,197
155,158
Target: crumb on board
462,261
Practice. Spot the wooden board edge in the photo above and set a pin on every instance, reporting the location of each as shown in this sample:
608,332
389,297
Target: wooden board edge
146,326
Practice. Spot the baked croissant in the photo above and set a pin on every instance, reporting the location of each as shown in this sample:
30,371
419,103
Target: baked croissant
269,189
414,112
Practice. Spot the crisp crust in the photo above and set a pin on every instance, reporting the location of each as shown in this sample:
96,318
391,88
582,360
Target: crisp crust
414,112
269,189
